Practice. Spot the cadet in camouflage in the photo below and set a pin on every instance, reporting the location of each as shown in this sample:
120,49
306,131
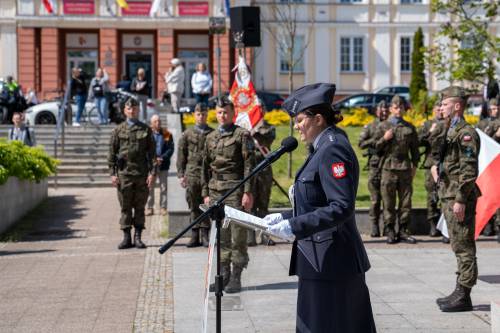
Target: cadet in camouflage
457,171
131,161
189,169
367,141
431,136
227,158
397,144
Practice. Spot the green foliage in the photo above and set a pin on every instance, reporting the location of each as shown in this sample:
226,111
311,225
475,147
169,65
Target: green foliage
467,36
24,162
417,83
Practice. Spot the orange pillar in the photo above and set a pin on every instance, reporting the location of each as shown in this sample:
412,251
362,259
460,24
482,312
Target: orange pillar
108,54
51,70
164,53
26,57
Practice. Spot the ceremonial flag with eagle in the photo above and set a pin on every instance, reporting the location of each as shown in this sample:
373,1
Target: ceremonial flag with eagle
248,109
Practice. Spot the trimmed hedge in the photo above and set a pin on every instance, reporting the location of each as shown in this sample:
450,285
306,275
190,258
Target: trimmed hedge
24,162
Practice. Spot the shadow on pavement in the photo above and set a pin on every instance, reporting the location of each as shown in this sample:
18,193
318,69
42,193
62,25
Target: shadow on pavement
482,307
11,253
274,286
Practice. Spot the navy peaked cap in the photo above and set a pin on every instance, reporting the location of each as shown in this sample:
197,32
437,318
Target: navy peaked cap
308,96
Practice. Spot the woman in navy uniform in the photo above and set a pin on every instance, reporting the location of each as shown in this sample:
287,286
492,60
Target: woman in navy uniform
328,255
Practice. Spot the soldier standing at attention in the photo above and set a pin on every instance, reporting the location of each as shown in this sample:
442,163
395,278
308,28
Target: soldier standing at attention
228,157
397,144
367,141
491,126
131,161
189,168
431,136
264,135
456,174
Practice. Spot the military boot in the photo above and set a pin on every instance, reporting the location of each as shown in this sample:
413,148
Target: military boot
391,237
234,285
442,300
375,230
251,239
446,240
225,271
433,231
266,240
137,239
459,302
488,230
205,240
194,241
498,233
127,240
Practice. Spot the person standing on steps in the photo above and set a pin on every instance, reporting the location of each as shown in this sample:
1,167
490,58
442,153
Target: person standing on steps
131,161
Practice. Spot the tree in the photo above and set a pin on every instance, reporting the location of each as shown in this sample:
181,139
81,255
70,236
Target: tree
465,50
417,83
281,22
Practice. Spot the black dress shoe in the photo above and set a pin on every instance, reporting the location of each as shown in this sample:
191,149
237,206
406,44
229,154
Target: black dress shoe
446,240
407,239
391,238
375,231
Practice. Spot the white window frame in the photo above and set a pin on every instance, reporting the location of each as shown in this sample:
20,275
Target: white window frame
410,51
296,69
352,57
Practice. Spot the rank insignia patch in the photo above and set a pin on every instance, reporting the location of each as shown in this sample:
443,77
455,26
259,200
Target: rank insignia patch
338,170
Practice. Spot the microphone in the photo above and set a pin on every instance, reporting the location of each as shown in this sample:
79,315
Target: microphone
288,144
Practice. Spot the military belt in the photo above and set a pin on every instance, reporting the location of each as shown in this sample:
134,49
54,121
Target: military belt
227,177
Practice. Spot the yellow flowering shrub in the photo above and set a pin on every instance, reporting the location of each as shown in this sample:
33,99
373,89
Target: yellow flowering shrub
188,119
471,119
415,117
277,117
356,117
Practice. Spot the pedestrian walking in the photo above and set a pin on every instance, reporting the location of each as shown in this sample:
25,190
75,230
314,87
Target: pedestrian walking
189,168
397,144
228,157
78,92
140,86
131,161
98,91
174,79
164,151
201,84
456,173
328,255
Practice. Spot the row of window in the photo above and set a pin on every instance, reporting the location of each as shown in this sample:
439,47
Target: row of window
351,55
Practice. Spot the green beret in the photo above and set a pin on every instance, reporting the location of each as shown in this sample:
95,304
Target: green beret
396,99
453,91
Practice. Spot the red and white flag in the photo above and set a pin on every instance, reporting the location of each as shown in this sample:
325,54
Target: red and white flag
248,109
488,181
50,6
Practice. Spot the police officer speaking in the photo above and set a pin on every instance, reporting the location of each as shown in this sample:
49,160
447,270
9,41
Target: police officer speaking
328,254
131,164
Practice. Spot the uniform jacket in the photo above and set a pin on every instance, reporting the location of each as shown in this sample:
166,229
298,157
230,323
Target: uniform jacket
490,126
401,152
135,146
264,135
367,141
459,170
228,157
327,243
167,148
190,150
432,141
26,135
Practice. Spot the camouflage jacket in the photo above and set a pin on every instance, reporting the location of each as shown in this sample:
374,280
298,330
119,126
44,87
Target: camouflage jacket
367,141
490,126
432,141
265,136
401,152
190,150
227,158
459,168
132,150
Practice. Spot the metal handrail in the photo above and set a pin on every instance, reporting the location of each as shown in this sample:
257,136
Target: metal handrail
61,117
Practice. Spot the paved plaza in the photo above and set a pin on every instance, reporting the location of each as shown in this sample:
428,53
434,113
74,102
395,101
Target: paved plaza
66,275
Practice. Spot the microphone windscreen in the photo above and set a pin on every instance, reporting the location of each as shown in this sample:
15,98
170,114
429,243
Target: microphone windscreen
289,144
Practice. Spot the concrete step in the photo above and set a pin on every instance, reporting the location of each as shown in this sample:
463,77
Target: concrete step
83,169
77,161
79,183
76,144
82,155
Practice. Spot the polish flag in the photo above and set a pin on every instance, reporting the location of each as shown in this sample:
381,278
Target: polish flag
488,181
248,110
49,6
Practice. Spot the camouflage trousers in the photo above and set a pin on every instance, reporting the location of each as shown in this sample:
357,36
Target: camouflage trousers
374,180
233,239
433,211
396,184
194,200
132,194
462,241
263,183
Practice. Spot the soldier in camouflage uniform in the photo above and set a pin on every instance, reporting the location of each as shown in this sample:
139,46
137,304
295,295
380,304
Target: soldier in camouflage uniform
491,126
132,152
228,157
397,144
456,173
431,136
189,168
264,135
367,141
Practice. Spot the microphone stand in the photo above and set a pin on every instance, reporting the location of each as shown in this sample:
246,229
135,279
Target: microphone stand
216,212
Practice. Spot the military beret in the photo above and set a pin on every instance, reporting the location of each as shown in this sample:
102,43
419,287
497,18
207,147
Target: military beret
493,102
453,91
200,107
382,104
309,96
396,99
132,101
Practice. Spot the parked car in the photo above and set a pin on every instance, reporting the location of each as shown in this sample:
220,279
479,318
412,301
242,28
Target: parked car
403,91
367,101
